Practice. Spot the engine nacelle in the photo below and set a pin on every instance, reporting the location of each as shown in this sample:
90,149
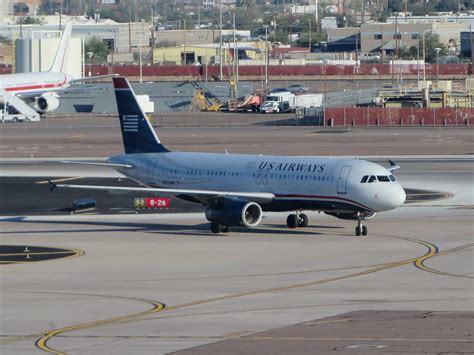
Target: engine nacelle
234,213
46,103
348,215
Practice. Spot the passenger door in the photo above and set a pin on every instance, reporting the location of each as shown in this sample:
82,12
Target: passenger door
342,180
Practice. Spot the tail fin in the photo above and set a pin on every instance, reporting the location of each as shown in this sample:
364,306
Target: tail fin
137,133
60,58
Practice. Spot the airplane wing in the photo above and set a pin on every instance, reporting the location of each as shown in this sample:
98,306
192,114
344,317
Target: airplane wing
91,78
32,95
202,196
127,166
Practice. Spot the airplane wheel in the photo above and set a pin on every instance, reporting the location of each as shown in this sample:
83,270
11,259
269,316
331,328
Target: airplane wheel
364,230
225,229
216,227
292,221
303,222
357,231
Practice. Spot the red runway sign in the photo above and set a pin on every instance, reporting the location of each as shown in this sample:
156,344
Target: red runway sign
152,202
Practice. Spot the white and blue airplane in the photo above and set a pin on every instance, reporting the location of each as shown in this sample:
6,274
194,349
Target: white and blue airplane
236,188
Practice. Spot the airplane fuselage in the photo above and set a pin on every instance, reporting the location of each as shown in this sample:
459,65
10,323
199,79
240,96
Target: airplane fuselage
29,83
298,183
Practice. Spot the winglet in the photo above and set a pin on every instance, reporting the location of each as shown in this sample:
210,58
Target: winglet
52,185
393,166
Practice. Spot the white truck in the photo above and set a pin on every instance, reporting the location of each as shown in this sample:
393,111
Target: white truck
286,101
277,102
307,100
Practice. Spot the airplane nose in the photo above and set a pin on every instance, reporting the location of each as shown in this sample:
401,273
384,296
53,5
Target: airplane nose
400,196
395,197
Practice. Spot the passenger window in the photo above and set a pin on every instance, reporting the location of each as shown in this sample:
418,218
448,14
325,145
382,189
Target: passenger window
383,178
392,178
372,178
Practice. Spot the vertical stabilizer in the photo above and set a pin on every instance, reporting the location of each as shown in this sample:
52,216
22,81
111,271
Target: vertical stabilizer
137,133
60,59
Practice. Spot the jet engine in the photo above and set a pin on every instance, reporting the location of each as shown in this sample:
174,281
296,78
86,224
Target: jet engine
46,103
234,213
348,215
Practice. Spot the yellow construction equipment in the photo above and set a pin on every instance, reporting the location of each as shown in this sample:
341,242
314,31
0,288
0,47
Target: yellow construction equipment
202,102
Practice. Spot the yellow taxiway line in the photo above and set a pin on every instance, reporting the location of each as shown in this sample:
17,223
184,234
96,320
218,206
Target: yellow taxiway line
44,337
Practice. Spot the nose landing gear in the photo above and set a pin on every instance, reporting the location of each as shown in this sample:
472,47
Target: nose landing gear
361,227
297,220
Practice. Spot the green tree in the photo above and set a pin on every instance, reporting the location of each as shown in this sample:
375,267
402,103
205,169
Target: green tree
98,47
28,20
422,9
448,5
316,37
432,42
408,53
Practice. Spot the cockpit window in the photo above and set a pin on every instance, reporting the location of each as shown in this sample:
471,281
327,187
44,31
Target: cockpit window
372,178
392,178
364,179
383,178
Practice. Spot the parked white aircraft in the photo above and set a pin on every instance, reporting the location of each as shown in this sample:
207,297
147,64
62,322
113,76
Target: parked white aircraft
236,188
41,88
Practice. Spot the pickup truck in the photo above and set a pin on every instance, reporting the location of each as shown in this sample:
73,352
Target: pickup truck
7,117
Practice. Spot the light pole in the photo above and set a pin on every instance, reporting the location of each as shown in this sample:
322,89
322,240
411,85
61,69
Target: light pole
220,41
266,60
471,46
90,55
418,62
421,42
437,49
207,60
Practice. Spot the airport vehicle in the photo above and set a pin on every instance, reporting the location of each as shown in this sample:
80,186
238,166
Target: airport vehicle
244,104
9,114
306,100
277,102
6,117
236,188
40,89
286,101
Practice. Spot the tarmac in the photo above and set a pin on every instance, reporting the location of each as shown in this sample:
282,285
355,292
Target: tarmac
161,282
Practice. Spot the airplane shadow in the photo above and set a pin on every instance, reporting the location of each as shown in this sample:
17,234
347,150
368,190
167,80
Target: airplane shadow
200,229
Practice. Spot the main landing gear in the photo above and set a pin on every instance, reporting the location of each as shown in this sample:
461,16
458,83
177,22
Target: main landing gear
297,220
219,228
361,227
